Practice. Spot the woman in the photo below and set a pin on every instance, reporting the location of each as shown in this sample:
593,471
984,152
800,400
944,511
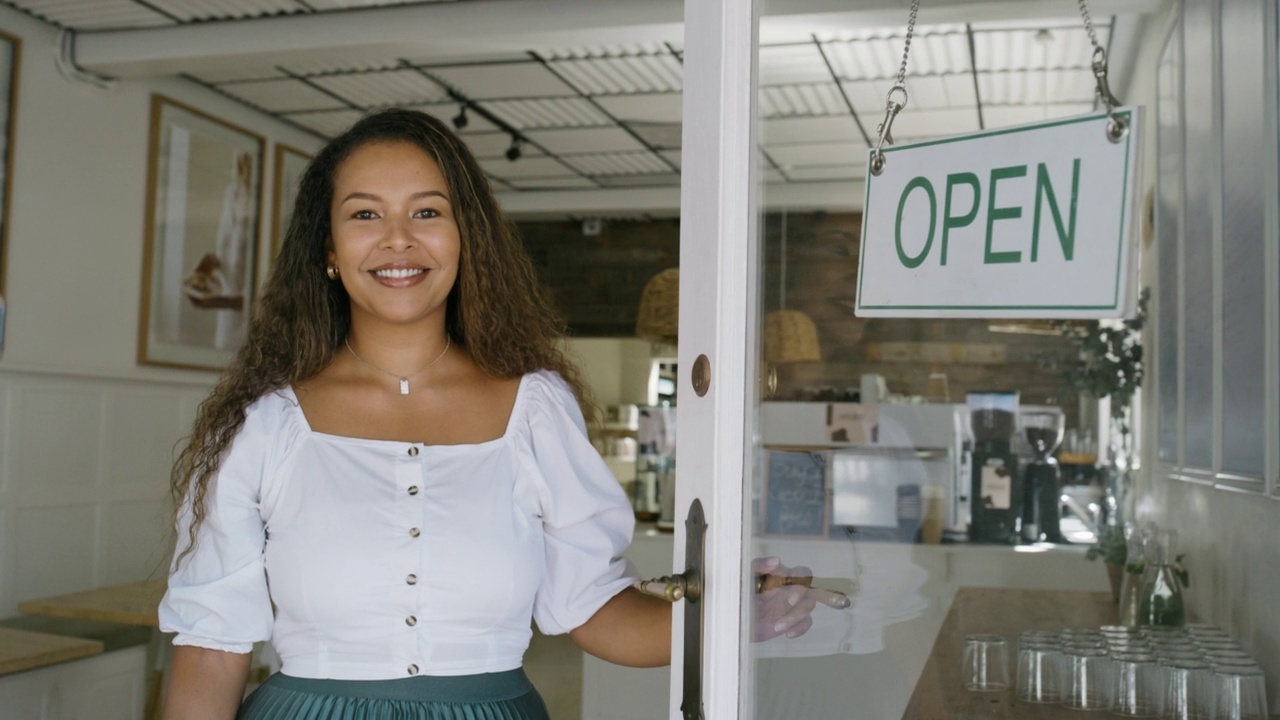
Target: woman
394,474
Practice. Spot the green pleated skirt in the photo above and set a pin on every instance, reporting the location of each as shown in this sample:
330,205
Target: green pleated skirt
490,696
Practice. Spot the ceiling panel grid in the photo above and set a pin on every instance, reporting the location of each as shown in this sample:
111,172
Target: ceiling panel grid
625,75
608,114
383,89
205,10
559,112
89,16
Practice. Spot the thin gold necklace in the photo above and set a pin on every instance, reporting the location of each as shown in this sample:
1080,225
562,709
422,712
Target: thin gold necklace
404,379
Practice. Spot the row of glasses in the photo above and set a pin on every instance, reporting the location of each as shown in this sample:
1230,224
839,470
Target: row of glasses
1138,673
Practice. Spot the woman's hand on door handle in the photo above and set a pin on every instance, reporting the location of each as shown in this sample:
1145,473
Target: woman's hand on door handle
784,600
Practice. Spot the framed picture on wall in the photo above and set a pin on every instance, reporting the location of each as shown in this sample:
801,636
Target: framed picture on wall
10,58
796,497
204,182
290,163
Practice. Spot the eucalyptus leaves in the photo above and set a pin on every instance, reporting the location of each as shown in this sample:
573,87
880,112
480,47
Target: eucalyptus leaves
1109,361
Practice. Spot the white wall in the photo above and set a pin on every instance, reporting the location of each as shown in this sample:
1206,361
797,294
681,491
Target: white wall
87,435
617,369
1231,539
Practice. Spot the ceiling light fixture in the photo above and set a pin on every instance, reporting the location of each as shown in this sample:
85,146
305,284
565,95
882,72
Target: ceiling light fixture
513,152
460,120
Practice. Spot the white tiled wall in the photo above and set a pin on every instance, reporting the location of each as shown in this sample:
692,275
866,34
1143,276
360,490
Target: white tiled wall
84,473
1231,539
86,433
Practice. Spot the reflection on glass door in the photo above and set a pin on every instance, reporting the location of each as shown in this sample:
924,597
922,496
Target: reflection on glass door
897,461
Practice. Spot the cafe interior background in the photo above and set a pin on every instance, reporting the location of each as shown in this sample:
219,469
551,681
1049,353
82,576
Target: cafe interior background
589,106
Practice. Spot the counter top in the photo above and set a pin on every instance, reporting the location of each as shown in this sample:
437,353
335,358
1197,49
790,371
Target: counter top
130,603
939,694
22,650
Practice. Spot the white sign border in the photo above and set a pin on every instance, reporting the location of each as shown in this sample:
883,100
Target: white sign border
1122,305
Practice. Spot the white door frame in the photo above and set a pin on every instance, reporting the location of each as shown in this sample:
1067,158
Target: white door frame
718,291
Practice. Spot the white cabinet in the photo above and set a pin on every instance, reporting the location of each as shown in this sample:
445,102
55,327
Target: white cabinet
111,686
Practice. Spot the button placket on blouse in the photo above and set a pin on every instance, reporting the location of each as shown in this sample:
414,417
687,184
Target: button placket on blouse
409,474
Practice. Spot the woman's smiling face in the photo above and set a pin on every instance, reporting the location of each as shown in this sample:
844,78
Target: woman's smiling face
395,239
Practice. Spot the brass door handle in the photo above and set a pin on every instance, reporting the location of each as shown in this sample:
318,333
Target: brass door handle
831,598
673,588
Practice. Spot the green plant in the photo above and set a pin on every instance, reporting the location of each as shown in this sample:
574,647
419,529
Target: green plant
1110,546
1109,361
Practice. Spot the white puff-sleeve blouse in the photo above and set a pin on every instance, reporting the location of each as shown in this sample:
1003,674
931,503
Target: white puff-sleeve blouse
373,559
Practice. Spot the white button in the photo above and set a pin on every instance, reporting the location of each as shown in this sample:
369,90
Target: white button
413,452
411,579
414,532
413,489
413,669
411,621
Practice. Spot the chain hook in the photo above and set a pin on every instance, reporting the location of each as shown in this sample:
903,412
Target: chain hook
1116,126
892,108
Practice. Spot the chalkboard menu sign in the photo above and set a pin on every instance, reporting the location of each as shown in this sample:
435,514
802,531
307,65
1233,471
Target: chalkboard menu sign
796,497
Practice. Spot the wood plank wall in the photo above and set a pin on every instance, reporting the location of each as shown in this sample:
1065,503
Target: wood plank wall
596,281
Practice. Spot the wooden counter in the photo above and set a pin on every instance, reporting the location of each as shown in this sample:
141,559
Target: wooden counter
21,650
939,694
131,604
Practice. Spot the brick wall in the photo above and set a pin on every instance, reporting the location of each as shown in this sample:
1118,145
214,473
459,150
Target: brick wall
597,280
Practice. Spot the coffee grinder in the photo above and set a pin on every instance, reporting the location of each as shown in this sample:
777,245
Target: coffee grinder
1042,482
996,502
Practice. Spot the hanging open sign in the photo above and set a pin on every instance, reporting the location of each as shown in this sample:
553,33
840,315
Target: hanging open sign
1034,221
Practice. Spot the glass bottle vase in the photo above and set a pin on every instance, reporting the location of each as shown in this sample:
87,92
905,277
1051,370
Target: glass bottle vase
1161,598
1131,581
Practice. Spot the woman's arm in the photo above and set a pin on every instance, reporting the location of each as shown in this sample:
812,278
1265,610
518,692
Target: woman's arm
635,629
630,629
205,684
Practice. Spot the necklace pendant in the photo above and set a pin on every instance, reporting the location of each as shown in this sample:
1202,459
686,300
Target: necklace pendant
404,386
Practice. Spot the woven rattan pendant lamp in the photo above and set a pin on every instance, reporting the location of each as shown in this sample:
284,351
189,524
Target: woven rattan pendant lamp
789,335
658,318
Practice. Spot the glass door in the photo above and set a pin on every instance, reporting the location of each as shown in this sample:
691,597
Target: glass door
885,463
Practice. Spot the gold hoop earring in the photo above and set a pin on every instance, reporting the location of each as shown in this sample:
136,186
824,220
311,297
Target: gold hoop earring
332,272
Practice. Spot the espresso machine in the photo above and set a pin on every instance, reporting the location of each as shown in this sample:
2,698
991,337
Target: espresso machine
997,497
1042,481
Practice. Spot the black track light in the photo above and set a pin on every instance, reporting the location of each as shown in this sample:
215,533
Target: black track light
460,120
513,152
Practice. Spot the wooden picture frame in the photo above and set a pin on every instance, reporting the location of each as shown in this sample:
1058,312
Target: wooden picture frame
10,67
290,163
204,182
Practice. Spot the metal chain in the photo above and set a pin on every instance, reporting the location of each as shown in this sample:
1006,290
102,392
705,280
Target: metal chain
1088,24
906,48
1116,126
892,106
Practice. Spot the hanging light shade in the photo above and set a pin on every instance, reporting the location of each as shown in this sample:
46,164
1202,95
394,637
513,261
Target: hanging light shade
790,337
658,319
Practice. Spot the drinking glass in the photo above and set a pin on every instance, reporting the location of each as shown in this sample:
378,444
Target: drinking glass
1208,644
1139,645
1037,635
1039,669
1071,633
1227,655
1188,689
1239,693
986,663
1088,678
1137,685
1178,654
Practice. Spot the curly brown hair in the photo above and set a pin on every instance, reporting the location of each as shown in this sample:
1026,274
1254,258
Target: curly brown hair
496,310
